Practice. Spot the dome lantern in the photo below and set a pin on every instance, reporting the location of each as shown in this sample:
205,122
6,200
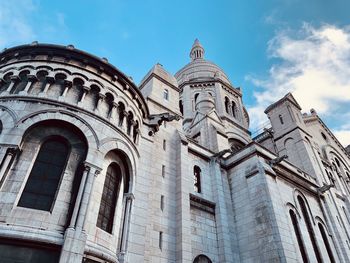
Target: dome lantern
197,50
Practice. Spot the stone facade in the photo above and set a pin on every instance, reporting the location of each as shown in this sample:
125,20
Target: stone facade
191,185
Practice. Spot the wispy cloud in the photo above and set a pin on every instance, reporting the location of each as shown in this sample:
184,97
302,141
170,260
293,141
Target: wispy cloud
314,64
25,21
14,22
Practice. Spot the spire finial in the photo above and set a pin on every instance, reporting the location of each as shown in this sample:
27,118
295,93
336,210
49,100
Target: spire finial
197,50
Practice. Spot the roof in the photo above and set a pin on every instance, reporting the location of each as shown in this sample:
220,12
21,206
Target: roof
288,97
159,71
200,69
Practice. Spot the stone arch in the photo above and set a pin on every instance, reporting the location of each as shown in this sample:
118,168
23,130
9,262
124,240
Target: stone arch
47,68
297,193
12,115
96,82
290,206
51,114
63,71
79,75
120,145
202,259
124,102
28,67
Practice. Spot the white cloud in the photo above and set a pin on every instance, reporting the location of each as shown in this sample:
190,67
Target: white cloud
25,21
313,64
14,22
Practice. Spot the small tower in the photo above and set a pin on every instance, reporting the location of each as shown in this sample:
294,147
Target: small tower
197,51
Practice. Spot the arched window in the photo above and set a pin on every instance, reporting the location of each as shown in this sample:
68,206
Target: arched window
166,94
234,109
121,110
298,235
227,102
181,107
326,243
109,197
197,179
309,228
195,98
202,259
281,119
42,185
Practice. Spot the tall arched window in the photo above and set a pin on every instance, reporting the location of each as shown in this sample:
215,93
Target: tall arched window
197,179
309,228
109,197
42,185
181,107
326,243
227,102
298,235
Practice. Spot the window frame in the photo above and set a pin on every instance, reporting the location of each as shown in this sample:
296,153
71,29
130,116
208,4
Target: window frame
43,141
110,226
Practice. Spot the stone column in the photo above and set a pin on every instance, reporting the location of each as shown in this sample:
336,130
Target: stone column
222,213
124,124
10,153
79,196
75,235
99,100
85,91
31,79
113,112
49,81
129,197
184,182
12,83
67,85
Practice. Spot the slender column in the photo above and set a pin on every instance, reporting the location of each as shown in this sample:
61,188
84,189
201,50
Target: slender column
49,81
10,153
13,82
100,99
86,197
113,111
31,79
125,121
85,91
79,196
67,84
126,224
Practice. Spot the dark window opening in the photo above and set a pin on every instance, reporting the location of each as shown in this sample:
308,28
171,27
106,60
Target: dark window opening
109,198
309,228
298,235
197,179
326,243
281,119
43,182
181,107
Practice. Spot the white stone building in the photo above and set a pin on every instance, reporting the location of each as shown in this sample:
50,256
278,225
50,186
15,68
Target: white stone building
96,169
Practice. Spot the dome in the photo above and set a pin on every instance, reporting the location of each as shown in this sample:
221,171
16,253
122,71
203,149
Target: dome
199,68
205,102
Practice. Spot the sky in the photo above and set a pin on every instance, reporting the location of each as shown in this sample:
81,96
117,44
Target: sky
266,47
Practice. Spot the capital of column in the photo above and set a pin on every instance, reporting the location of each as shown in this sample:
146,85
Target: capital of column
50,79
129,196
14,78
93,168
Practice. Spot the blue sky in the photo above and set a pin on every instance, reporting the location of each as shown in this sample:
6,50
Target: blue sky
266,47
